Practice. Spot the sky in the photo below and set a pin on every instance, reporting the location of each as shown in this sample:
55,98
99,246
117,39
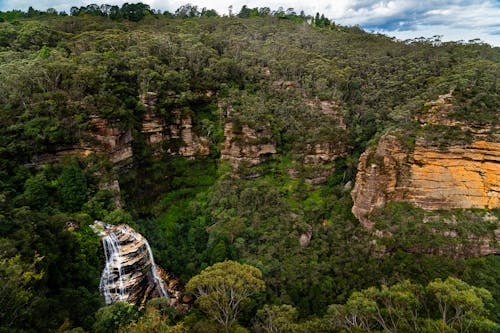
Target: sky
404,19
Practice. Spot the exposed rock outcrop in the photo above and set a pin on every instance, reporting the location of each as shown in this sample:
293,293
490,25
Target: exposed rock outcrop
305,237
103,136
109,138
438,112
112,140
460,171
379,178
429,177
153,126
158,131
246,145
331,109
465,173
60,153
459,177
286,85
193,144
324,152
114,187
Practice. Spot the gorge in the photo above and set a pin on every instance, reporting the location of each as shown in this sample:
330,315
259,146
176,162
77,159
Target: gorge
347,167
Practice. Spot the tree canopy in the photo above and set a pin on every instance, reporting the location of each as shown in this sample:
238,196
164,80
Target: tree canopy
79,92
223,289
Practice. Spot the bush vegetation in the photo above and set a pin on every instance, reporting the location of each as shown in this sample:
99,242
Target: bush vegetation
268,70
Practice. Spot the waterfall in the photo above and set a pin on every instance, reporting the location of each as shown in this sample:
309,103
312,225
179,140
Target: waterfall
158,280
130,273
108,285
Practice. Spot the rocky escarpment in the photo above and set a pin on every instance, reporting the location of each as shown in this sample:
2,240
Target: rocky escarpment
432,179
170,134
244,145
312,150
109,138
103,136
431,176
130,273
459,177
379,178
159,132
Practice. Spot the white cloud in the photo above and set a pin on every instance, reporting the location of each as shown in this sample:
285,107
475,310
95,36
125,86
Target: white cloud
454,19
447,33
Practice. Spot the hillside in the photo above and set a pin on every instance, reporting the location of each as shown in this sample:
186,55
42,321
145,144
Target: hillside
331,159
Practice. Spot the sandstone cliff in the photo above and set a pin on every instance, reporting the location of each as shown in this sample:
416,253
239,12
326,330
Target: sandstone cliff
379,178
103,136
110,139
244,145
158,131
313,148
430,176
167,135
459,177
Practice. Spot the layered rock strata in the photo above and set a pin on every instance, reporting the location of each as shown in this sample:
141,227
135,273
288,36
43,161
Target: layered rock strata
130,273
115,142
104,136
324,152
379,178
464,174
430,178
107,137
158,131
460,177
245,145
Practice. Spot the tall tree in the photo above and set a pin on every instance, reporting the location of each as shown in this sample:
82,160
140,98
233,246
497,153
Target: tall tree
222,290
16,287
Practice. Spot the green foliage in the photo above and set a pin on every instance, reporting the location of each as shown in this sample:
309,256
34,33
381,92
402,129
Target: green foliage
110,318
157,317
72,186
461,306
118,216
445,136
70,266
400,308
17,279
295,85
34,35
277,318
477,95
223,290
414,229
35,191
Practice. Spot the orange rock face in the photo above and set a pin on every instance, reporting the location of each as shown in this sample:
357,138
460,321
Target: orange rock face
464,177
460,177
378,180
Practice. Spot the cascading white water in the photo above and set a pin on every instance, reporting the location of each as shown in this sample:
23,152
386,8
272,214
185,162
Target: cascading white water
112,290
156,277
158,280
129,263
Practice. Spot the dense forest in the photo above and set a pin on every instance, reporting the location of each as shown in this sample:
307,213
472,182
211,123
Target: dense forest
310,94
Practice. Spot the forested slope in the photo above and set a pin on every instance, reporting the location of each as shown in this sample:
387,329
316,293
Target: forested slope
239,138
